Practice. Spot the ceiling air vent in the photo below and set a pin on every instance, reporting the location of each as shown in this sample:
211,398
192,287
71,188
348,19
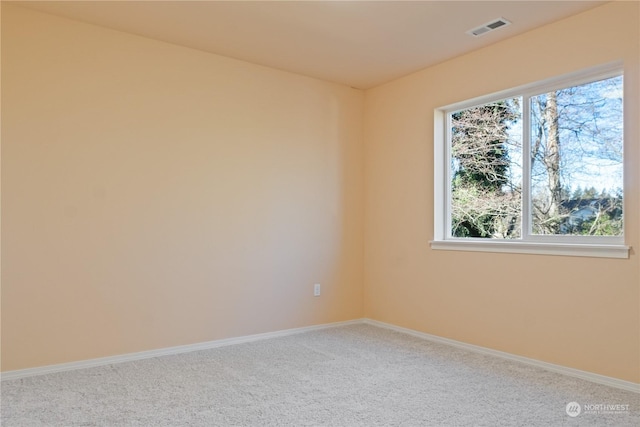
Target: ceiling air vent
490,26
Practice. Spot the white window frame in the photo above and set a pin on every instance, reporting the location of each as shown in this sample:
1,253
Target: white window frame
592,246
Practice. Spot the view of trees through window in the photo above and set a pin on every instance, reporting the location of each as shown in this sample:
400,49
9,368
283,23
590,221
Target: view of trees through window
575,173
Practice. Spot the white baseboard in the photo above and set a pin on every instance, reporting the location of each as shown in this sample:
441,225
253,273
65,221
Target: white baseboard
589,376
82,364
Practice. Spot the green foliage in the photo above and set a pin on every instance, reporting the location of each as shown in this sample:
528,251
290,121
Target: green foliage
603,215
590,193
473,221
481,207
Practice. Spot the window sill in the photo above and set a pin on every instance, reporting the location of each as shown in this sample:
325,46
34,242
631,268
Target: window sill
565,249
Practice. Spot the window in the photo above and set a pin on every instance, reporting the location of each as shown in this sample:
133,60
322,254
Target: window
537,169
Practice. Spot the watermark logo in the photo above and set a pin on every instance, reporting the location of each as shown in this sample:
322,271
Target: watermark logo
604,408
573,409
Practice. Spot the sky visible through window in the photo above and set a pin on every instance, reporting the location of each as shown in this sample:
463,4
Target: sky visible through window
591,135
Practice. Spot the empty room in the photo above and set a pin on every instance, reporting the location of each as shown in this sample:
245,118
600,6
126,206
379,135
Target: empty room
320,213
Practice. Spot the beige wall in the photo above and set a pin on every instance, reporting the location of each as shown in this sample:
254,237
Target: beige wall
154,195
578,312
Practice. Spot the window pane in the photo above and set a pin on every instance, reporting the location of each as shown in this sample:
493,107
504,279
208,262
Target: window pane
486,170
576,160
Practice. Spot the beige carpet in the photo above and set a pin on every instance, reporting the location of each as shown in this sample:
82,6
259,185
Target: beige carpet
356,375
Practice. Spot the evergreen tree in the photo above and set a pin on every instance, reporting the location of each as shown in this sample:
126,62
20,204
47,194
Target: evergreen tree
481,170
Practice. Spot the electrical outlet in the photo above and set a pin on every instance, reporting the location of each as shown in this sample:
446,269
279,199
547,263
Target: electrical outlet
316,290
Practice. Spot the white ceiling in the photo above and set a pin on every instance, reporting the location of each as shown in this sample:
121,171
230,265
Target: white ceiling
357,43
